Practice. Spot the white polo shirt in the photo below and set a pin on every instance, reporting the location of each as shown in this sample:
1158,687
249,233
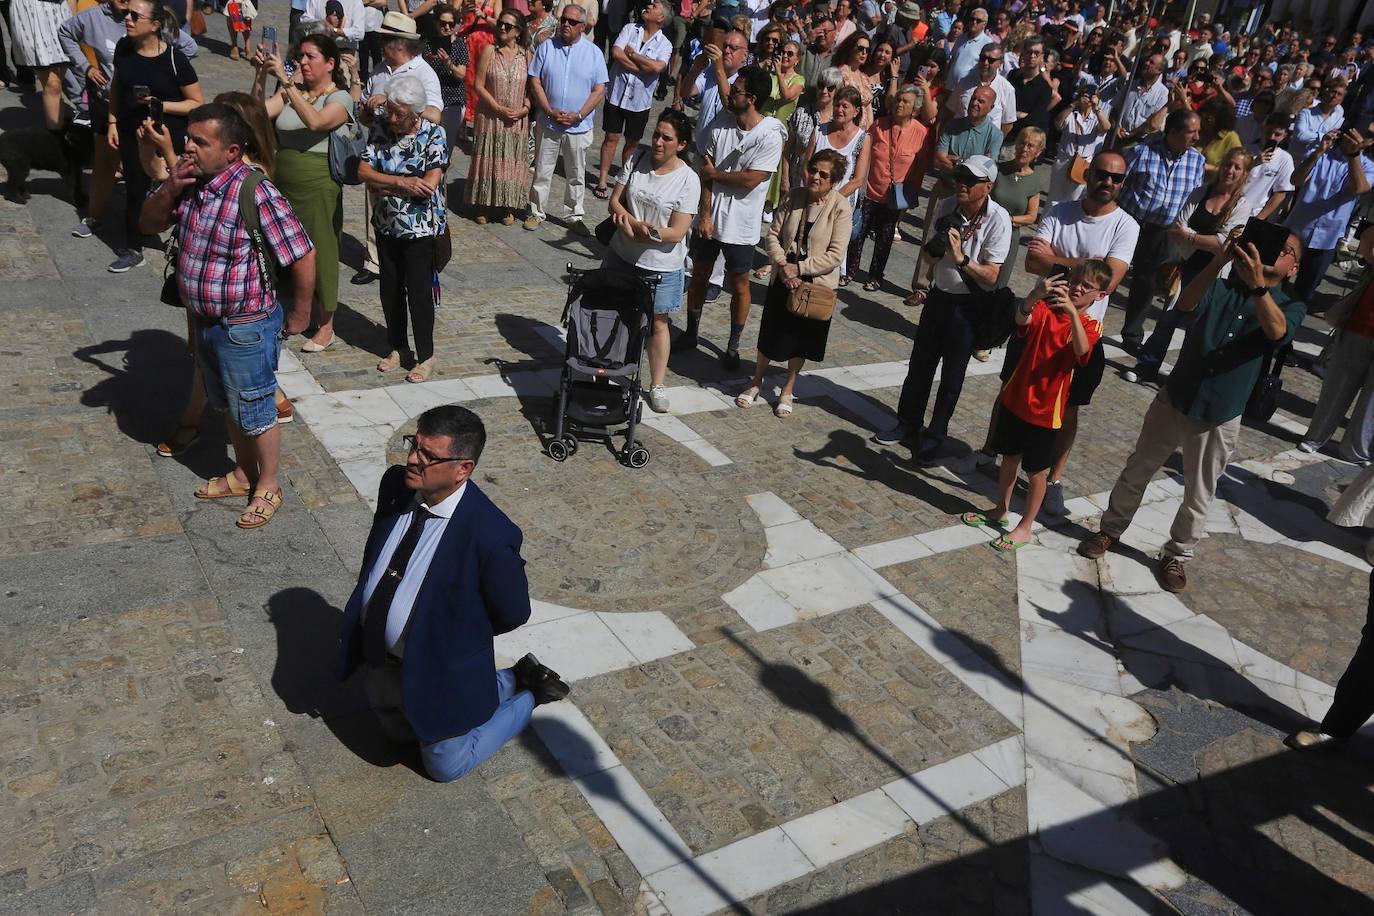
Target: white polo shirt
990,244
1003,108
416,67
634,91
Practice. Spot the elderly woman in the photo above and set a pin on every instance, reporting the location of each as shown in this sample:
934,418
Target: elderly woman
894,180
817,108
404,165
806,244
653,205
1018,189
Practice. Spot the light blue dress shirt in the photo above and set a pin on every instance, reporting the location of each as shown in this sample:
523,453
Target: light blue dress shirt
568,74
404,600
1308,129
1325,202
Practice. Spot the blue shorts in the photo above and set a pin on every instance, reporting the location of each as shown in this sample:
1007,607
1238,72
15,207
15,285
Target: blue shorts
739,258
668,293
239,365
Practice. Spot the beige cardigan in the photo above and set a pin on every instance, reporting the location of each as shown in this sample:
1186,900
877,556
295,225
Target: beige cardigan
827,243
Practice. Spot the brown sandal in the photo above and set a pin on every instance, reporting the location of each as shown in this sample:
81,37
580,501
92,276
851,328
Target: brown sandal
257,516
231,487
178,441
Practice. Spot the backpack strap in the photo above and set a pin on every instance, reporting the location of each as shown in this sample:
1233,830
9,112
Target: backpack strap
252,222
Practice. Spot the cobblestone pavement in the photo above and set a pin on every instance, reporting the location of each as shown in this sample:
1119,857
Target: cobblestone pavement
799,684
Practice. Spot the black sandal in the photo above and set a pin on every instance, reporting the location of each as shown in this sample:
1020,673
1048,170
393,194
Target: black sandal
601,192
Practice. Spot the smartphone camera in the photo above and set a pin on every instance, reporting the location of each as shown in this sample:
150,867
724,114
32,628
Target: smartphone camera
155,110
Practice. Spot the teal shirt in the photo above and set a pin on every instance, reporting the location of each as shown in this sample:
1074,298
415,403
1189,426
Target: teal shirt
962,139
1224,352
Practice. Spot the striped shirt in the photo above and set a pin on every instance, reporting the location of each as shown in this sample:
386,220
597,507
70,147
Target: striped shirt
217,271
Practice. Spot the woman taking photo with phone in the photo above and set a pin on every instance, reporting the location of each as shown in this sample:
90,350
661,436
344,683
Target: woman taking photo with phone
152,80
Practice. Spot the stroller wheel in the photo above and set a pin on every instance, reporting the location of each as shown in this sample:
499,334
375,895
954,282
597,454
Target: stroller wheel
638,457
571,442
558,450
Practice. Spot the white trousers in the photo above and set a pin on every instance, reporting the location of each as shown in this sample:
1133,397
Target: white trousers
547,146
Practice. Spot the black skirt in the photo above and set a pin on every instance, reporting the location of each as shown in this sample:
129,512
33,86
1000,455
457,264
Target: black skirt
784,336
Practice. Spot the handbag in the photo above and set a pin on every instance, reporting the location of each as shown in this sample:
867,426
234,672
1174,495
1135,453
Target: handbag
1077,172
809,300
197,22
995,319
1264,399
347,145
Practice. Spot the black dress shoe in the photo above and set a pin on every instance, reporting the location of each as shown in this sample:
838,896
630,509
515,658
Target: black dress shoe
363,277
730,360
539,680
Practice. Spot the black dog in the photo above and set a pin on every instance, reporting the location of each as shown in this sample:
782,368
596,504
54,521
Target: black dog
66,152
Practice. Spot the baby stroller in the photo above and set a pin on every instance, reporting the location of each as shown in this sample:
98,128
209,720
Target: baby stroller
607,319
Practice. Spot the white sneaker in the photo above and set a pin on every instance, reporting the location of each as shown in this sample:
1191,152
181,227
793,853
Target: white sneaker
1308,447
658,398
1131,375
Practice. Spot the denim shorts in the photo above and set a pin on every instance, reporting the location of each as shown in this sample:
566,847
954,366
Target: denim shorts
668,293
239,364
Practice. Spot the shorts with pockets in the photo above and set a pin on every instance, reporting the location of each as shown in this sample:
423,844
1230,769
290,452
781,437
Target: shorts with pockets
1015,436
239,365
629,124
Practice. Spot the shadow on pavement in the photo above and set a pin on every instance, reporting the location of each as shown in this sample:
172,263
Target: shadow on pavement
850,454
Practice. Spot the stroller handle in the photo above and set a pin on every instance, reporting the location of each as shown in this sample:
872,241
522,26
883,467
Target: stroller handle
574,273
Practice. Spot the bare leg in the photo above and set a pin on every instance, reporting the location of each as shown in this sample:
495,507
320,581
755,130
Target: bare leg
256,457
794,368
658,350
992,427
607,151
325,322
50,81
1035,495
1063,442
760,368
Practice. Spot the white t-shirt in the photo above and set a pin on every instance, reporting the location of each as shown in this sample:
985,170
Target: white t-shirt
1003,108
654,199
416,67
1074,234
736,213
709,90
1267,179
990,244
1082,136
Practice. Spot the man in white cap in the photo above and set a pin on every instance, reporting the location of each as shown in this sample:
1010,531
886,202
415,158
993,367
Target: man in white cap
970,242
400,43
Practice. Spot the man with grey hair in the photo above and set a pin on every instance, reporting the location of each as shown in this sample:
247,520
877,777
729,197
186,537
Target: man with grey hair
640,56
988,75
567,82
400,43
964,58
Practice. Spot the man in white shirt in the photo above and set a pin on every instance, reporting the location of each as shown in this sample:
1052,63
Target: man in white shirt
639,56
567,83
400,43
988,73
1312,124
711,76
1271,177
973,232
964,58
353,29
742,153
1072,232
1147,104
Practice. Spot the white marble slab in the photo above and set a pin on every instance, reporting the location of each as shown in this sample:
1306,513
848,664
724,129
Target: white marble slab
416,399
544,611
639,828
1049,652
707,452
794,541
760,606
1006,759
771,509
355,443
670,426
689,399
732,873
577,647
870,414
880,375
647,634
848,828
366,477
944,788
924,630
957,537
298,384
827,585
1197,639
325,411
993,685
890,553
573,741
373,405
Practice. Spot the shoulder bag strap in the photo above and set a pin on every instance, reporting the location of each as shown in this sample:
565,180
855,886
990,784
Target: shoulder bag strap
252,223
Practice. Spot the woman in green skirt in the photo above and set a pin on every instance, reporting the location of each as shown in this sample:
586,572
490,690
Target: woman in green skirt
305,113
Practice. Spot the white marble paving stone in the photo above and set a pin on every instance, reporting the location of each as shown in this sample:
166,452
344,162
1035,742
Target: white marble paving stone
826,585
577,647
993,685
639,828
1059,889
846,829
707,452
416,399
573,741
760,606
992,366
1006,759
375,405
345,443
944,788
924,630
544,611
1081,507
325,411
1198,639
1131,614
1304,681
688,399
648,635
799,540
1330,552
771,509
956,537
495,385
881,375
822,381
872,415
1126,575
1255,664
1049,652
890,553
298,384
736,872
366,477
670,426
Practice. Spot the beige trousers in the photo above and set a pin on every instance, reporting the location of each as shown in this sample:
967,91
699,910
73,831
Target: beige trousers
1206,449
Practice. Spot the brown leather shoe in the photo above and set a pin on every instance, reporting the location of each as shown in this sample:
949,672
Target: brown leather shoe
285,412
1097,545
1171,574
1314,740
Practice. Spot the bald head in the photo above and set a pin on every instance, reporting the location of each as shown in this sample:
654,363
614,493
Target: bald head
980,103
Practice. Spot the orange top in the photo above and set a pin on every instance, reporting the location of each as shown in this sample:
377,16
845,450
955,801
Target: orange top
1039,388
892,154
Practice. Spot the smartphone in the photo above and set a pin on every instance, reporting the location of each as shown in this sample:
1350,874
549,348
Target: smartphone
1268,238
142,94
1058,270
155,110
269,38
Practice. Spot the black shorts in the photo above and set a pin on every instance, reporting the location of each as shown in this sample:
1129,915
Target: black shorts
1014,436
1087,378
1015,345
739,258
629,124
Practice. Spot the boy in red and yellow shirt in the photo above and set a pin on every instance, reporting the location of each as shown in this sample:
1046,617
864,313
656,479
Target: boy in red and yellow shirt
1059,337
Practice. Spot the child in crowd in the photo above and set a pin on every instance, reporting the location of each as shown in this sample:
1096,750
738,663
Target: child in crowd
1059,337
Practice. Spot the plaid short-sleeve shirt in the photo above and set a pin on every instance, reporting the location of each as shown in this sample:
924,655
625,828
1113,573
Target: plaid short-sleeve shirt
217,272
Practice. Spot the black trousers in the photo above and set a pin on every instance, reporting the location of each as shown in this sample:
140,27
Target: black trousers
137,184
1354,702
944,334
1149,255
407,290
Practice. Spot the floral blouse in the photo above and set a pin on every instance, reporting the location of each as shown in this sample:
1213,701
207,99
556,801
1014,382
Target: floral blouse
413,155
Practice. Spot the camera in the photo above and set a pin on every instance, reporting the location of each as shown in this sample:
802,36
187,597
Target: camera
938,245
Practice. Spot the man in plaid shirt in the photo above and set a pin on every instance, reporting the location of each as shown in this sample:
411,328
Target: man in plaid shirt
1160,174
238,320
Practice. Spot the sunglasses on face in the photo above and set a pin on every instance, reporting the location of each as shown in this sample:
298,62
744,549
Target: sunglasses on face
861,49
990,60
967,181
568,20
135,15
449,23
1104,175
508,26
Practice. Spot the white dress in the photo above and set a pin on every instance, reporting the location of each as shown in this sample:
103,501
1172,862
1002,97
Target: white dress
33,29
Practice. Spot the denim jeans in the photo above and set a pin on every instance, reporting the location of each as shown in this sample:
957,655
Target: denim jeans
239,364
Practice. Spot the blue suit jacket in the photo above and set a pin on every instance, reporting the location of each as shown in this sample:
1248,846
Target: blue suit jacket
475,588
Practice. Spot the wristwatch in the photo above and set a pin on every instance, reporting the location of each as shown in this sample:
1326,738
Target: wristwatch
1256,291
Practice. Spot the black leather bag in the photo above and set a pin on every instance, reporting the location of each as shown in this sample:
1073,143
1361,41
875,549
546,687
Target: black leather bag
995,320
1264,399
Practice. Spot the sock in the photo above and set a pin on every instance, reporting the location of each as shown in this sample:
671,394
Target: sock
693,323
736,332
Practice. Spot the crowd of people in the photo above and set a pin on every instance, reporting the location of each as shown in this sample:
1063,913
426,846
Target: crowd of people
1215,164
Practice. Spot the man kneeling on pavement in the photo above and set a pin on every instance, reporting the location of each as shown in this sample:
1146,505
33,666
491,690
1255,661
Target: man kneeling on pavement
441,576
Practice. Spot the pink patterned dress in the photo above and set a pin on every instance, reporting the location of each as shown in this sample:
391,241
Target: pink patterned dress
499,175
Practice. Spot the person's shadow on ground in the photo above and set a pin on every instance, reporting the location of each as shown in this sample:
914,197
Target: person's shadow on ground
304,678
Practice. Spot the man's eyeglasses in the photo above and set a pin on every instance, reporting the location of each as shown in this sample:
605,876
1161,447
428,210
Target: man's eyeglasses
967,181
568,20
426,456
1104,175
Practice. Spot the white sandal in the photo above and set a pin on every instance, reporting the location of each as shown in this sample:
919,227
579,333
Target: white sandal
784,408
747,397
